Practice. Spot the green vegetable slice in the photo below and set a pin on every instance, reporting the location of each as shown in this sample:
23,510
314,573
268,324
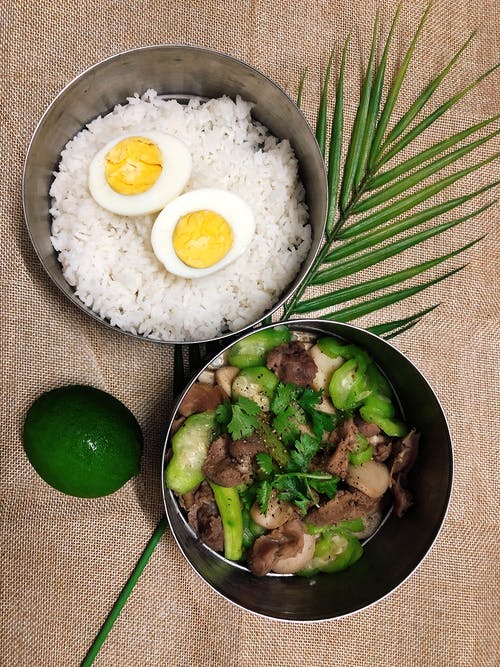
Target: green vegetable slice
229,506
190,446
252,350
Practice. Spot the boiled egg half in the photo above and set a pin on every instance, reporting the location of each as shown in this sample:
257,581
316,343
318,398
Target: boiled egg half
202,231
139,174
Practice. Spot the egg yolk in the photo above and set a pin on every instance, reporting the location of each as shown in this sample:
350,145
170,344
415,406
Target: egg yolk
133,165
202,238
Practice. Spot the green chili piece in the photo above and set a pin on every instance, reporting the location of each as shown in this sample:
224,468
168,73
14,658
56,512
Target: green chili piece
363,453
252,350
391,427
352,525
251,530
379,404
274,445
348,386
190,446
229,506
377,382
336,549
334,348
256,383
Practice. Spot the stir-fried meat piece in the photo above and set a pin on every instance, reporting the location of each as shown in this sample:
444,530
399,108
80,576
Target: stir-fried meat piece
220,467
247,447
405,453
283,542
204,517
382,447
366,429
347,430
345,506
337,463
201,397
345,437
292,363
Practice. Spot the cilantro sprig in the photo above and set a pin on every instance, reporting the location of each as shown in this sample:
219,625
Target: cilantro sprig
293,406
240,418
294,483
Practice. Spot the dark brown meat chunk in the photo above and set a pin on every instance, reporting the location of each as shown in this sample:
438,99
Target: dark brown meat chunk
405,453
220,466
366,429
345,506
201,397
345,437
283,542
247,447
382,447
292,363
204,517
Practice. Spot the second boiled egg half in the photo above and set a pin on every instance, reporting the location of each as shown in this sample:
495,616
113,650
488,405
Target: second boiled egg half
139,174
202,231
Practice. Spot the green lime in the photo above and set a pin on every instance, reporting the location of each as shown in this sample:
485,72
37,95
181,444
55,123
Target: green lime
82,441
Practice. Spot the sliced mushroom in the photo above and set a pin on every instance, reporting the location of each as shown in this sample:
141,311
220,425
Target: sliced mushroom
224,377
371,478
299,561
278,513
326,366
207,377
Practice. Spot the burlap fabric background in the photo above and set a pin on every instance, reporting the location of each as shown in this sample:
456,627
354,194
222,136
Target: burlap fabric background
64,560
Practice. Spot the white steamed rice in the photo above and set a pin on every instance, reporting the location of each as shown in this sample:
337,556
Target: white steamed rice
109,260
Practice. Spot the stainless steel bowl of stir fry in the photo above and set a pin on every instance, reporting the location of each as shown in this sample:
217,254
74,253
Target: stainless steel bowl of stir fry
307,470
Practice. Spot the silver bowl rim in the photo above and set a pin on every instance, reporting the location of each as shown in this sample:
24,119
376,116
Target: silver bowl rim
139,337
297,323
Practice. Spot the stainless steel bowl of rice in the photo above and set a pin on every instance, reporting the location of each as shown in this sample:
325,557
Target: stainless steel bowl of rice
244,135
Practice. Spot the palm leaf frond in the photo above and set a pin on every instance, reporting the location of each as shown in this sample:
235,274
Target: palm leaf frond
300,90
394,90
323,109
387,203
390,329
360,131
335,149
423,98
377,303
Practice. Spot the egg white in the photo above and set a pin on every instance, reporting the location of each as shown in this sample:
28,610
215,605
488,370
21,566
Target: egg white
175,173
232,208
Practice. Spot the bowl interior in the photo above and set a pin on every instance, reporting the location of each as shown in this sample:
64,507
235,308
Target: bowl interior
178,71
394,551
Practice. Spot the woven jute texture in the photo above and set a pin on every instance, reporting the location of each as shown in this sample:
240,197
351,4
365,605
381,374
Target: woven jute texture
64,560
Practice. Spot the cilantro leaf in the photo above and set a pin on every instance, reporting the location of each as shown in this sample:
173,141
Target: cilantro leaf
283,397
320,421
309,398
265,462
247,495
244,420
305,448
223,413
328,487
285,427
291,489
263,494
